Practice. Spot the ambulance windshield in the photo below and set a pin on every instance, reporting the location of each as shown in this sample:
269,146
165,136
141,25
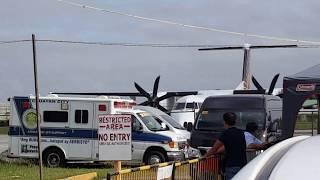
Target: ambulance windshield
150,122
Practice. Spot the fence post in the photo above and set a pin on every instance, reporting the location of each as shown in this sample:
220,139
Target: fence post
117,168
173,170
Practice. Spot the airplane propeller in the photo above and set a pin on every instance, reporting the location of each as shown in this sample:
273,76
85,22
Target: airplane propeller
272,84
152,99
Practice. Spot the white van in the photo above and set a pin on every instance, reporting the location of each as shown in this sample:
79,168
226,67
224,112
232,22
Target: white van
69,130
171,124
186,108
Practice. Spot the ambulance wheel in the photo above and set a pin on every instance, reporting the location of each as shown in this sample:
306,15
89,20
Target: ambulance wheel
155,157
53,157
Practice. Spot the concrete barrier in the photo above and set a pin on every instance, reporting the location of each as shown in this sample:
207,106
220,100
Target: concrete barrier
88,176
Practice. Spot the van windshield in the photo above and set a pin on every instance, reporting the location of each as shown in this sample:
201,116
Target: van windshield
171,121
150,122
213,119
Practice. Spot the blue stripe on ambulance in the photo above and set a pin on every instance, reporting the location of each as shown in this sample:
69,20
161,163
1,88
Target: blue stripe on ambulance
82,133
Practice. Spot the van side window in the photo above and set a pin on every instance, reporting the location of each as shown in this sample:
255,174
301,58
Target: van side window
179,106
55,116
192,106
81,116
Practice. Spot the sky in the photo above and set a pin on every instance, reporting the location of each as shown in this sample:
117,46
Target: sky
94,68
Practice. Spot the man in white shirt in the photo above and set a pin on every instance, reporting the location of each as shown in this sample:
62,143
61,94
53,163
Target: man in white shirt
252,141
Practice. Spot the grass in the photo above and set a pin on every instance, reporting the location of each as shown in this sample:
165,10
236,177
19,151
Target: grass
31,171
4,130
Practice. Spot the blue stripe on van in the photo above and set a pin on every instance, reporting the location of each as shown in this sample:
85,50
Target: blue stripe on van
83,133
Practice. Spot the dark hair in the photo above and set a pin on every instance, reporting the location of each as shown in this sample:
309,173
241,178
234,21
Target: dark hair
230,118
251,127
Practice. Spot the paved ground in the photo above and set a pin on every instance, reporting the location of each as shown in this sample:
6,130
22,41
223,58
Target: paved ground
3,142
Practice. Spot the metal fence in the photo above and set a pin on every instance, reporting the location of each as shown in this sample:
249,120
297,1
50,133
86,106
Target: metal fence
196,169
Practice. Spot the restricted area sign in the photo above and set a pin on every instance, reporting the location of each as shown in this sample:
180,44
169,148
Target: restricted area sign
114,136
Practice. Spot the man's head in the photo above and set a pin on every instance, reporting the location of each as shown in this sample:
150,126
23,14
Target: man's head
251,127
229,119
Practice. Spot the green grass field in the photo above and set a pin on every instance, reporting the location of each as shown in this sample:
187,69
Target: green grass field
31,171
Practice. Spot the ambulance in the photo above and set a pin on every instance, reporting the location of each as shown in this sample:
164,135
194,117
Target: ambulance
69,130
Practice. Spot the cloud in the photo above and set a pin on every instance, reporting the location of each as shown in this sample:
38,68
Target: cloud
65,67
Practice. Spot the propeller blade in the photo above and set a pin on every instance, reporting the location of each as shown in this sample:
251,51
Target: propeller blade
162,108
166,96
155,87
256,83
273,83
146,103
142,91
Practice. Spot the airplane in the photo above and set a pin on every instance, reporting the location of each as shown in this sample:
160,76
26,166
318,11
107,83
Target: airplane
185,108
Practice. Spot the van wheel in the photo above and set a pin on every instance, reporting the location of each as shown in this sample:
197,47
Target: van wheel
53,157
155,157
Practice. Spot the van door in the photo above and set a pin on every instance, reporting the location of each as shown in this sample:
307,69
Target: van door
81,130
138,142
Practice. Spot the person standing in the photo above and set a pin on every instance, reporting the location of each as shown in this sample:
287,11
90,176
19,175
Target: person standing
252,141
234,143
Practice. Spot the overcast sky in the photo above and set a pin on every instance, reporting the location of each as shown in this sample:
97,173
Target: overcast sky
65,67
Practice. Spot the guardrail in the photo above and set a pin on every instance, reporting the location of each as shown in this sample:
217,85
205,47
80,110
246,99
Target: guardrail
202,169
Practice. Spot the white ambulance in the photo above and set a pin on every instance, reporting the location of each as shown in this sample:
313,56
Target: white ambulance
69,129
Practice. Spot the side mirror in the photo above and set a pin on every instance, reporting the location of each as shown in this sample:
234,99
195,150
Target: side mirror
163,125
189,126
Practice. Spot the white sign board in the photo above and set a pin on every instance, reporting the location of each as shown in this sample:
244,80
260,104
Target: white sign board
114,135
164,172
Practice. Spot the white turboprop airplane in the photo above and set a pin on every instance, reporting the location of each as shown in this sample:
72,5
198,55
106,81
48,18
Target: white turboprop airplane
185,108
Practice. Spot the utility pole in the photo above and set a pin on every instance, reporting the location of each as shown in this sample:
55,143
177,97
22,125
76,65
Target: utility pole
35,72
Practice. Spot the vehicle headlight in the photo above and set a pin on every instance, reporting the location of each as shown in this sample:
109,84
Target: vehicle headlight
171,144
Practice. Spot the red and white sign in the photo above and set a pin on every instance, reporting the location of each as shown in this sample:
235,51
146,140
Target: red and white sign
114,135
305,87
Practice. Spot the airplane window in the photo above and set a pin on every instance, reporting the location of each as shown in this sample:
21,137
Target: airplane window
192,105
179,106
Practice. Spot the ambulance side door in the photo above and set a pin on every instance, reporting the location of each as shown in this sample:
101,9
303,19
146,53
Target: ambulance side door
81,139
